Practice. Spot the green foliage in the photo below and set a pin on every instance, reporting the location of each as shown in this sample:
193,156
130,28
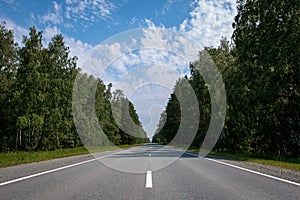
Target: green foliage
261,71
130,127
8,66
36,97
288,163
266,36
22,157
169,120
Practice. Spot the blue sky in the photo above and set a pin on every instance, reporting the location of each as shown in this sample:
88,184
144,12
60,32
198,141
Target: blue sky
86,24
93,21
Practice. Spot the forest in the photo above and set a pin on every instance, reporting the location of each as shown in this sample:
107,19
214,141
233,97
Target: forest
260,67
36,98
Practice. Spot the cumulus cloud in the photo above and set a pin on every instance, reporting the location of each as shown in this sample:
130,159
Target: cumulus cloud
209,21
131,63
163,54
77,48
206,24
100,57
49,32
146,68
170,40
80,49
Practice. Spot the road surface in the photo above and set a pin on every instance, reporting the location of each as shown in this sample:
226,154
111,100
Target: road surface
148,171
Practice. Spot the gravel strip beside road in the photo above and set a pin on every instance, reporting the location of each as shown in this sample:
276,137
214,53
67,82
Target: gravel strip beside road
287,174
14,172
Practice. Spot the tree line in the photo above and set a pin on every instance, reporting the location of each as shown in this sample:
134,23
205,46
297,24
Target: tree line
36,97
261,71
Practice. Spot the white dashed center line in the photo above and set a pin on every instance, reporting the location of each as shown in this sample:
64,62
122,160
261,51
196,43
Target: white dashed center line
149,179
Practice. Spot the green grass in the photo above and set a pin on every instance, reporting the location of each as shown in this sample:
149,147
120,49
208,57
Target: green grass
22,157
288,163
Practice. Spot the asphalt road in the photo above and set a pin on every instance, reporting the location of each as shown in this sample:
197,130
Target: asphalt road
149,172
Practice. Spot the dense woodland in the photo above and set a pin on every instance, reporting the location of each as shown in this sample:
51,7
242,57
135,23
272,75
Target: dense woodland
261,72
260,67
36,98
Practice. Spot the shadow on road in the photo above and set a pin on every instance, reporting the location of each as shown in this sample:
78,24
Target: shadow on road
155,151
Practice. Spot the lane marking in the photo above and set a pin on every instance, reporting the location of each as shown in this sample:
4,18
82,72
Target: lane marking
244,169
149,179
53,170
255,172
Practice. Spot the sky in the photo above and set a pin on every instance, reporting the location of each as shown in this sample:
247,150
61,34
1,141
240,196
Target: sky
130,43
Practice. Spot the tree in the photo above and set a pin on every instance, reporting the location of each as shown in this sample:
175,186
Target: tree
36,98
266,35
8,66
130,127
104,113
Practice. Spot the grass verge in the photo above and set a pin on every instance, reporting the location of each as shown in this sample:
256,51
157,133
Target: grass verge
22,157
287,163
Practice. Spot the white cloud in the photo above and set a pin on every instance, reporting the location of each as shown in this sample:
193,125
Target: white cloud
133,20
149,23
209,21
12,4
57,7
147,80
19,31
49,32
170,40
81,50
126,60
160,60
90,11
32,16
53,16
153,37
10,1
77,47
77,13
166,7
96,60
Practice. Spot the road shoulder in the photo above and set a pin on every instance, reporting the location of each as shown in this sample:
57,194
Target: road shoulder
14,172
279,172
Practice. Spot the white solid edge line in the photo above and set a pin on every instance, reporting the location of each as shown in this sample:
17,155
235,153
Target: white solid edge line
52,170
255,172
248,170
149,179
